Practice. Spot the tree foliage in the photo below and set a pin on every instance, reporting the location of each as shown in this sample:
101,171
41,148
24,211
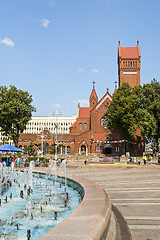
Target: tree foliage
150,100
30,150
126,114
16,110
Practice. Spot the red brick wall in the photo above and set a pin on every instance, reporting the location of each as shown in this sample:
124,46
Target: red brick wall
133,80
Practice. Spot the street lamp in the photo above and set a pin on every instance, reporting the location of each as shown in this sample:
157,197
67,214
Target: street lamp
42,136
57,112
56,127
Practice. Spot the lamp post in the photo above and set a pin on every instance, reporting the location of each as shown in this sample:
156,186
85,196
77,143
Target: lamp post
57,112
56,127
42,136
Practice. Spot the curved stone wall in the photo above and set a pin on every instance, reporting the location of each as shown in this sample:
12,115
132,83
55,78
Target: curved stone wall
93,219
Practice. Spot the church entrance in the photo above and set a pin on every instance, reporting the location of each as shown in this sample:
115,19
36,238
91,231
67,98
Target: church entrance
83,149
107,149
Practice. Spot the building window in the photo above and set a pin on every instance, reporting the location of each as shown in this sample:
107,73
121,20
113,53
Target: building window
68,149
136,63
123,63
133,63
85,126
98,148
80,126
126,63
63,150
117,149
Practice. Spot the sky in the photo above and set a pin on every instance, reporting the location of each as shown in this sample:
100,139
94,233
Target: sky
55,49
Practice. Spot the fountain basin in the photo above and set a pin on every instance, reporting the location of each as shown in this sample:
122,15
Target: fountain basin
37,211
91,220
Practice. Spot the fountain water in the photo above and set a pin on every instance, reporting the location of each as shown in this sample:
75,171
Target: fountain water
34,203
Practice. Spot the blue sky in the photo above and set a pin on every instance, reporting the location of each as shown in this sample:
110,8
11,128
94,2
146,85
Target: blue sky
55,49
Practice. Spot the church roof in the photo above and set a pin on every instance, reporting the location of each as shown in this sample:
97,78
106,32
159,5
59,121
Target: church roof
93,94
99,136
73,125
129,52
84,112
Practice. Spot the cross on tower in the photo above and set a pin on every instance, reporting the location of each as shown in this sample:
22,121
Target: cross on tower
93,84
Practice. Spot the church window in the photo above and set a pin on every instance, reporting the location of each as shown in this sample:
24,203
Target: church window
133,63
85,126
117,149
98,148
136,63
126,63
123,63
68,149
80,126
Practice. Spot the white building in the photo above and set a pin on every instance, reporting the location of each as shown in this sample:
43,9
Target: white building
37,124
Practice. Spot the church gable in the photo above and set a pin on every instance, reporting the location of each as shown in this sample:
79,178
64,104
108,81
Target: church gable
98,112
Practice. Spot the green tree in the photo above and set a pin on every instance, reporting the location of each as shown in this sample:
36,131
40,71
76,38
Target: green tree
150,100
16,110
125,114
29,149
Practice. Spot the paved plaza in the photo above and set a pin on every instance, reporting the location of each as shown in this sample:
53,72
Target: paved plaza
134,190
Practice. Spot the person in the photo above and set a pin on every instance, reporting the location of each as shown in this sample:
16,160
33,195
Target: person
144,159
14,160
9,161
135,160
17,162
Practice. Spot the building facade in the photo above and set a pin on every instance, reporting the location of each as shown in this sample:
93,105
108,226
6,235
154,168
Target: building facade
129,65
87,133
37,124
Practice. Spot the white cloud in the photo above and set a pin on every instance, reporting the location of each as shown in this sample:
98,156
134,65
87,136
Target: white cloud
51,3
95,70
7,42
45,23
80,70
83,102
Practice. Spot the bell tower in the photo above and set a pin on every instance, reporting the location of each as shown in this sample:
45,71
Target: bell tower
129,65
93,97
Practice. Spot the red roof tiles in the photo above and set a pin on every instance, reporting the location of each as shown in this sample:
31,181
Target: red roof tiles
99,136
129,52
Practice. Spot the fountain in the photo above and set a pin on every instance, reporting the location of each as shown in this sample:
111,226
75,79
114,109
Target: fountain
33,203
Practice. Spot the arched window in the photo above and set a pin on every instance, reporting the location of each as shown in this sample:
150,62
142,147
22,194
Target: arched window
123,63
85,126
131,63
136,63
98,148
63,150
80,126
126,63
68,149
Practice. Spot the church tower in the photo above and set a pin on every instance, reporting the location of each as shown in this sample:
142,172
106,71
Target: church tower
129,65
93,97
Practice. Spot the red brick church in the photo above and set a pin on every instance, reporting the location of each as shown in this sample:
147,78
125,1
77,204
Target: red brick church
89,134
